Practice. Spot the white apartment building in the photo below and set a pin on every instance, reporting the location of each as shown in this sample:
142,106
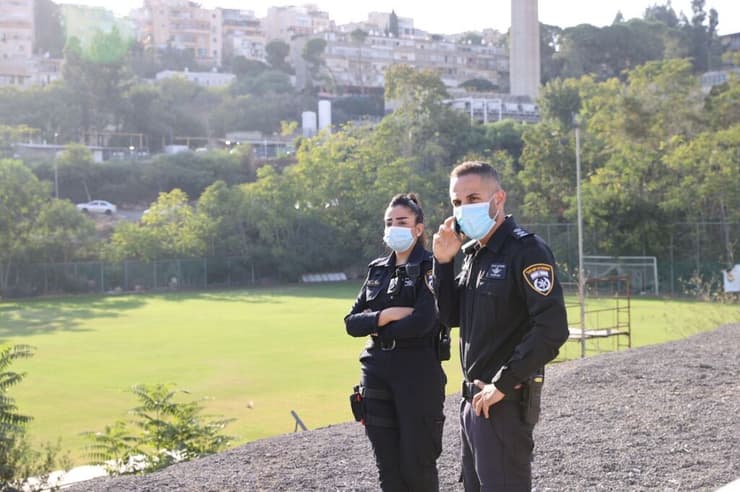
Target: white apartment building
204,79
183,25
285,23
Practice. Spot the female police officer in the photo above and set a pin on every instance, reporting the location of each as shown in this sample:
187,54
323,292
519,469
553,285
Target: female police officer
401,394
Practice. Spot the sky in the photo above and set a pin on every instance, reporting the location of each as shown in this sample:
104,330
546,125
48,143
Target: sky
467,15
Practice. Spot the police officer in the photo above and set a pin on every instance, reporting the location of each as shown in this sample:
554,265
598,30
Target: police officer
509,306
402,384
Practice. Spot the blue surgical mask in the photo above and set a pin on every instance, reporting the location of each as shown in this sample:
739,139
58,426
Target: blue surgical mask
474,219
399,239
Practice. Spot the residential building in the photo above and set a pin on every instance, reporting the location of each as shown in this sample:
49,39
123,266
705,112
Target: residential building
718,77
359,65
243,35
183,25
205,79
285,23
16,42
382,20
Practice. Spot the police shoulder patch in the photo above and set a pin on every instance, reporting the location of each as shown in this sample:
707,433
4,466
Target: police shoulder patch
540,277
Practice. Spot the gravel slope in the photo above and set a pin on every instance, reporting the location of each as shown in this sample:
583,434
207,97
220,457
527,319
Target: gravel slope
664,417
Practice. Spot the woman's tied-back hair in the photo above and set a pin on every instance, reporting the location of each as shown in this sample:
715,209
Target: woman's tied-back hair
479,168
410,201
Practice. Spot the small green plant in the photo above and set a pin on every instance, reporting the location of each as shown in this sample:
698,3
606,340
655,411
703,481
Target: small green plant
169,432
21,466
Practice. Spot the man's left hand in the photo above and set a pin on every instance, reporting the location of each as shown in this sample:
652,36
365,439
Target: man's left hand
489,395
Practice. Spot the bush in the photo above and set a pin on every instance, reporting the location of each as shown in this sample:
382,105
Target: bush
170,432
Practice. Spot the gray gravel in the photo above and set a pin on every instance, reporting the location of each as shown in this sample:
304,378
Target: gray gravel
665,417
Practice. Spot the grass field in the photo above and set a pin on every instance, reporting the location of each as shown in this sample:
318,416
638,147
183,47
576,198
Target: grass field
280,349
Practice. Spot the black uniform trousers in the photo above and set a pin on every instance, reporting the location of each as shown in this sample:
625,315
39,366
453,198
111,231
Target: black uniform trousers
496,451
406,452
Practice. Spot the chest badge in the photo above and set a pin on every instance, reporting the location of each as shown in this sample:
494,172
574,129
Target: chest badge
540,277
496,271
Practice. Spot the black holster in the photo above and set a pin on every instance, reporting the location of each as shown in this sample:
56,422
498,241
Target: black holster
442,342
532,396
355,403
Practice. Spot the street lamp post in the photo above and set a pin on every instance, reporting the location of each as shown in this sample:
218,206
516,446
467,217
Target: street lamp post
581,273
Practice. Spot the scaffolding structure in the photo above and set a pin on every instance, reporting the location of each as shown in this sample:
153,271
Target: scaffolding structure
606,313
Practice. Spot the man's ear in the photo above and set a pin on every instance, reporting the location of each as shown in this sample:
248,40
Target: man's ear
501,194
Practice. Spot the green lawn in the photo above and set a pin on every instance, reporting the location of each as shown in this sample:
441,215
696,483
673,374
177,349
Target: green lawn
281,349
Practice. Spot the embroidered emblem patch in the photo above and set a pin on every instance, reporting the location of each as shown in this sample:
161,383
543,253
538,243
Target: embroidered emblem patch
540,277
496,271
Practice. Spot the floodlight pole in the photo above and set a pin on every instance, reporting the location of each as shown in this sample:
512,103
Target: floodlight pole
581,279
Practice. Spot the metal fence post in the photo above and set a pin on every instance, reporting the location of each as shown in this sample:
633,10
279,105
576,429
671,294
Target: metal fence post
205,272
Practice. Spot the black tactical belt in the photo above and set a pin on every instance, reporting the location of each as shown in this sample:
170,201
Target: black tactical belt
374,393
399,343
469,390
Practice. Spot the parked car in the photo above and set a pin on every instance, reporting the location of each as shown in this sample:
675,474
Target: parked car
97,207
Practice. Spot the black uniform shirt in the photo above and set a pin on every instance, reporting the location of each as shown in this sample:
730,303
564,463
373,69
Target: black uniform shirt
388,286
508,304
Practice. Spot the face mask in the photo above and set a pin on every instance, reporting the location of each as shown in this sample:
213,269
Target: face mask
399,239
474,219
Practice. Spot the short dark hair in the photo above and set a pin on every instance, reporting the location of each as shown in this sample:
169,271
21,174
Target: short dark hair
410,201
479,168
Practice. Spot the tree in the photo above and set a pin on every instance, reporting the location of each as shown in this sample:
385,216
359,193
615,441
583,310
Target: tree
478,85
277,51
551,66
49,34
662,13
608,51
18,460
707,169
702,36
241,67
560,101
313,53
358,37
225,207
22,196
422,128
75,165
170,229
11,422
393,24
97,78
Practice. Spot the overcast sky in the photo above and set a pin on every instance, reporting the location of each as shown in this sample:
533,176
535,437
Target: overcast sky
468,15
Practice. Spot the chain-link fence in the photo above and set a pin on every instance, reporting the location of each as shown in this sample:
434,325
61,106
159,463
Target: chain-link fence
692,257
134,276
691,254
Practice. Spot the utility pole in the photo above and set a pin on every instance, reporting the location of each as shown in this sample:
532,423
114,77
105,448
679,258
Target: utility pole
581,275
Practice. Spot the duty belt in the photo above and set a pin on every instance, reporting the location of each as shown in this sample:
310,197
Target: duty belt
469,390
399,343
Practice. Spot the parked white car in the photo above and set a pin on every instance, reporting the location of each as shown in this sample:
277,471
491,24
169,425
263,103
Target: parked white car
97,207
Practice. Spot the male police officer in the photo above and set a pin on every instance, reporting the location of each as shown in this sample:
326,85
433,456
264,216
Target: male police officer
509,306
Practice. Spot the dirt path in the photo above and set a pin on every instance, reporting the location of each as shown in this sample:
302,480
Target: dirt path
664,417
